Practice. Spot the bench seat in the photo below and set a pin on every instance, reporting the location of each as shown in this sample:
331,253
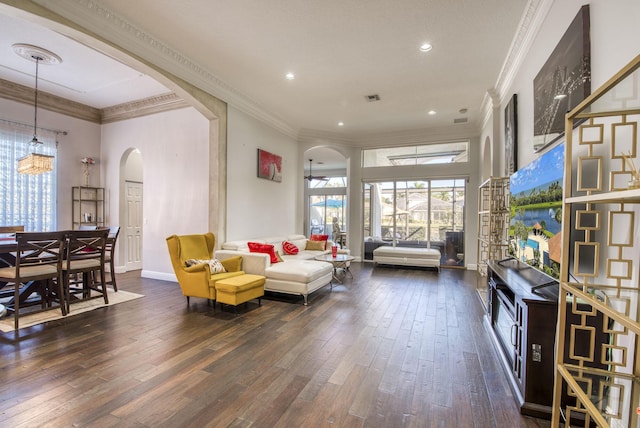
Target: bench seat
407,256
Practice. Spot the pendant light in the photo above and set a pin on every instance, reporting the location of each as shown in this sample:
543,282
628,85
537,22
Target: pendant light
35,163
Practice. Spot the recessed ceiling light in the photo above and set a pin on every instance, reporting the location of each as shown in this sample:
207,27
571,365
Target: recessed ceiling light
340,123
425,47
431,112
290,76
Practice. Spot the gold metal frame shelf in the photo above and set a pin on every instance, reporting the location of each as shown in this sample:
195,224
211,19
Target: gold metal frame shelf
598,330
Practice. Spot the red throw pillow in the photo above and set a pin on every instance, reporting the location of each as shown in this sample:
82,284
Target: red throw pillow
289,248
316,237
256,247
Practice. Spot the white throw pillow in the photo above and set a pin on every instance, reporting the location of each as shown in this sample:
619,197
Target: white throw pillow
215,265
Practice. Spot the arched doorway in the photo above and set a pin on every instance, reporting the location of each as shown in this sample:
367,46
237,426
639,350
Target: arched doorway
326,193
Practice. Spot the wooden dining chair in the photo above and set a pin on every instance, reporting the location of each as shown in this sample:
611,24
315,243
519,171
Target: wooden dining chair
84,255
109,255
87,227
11,229
38,264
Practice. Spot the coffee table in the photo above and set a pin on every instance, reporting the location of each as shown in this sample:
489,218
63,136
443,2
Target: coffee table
340,264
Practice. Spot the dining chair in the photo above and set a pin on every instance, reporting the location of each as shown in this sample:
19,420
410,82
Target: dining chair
11,229
109,255
87,227
84,255
38,264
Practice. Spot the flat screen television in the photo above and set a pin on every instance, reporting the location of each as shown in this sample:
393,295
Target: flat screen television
536,212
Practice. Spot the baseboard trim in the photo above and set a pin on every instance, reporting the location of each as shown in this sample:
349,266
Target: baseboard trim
159,275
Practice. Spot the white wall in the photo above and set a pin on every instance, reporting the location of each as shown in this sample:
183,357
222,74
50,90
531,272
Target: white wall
82,140
174,147
257,207
614,42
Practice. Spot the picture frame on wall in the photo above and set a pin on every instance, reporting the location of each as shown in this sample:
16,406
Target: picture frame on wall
269,166
563,82
511,136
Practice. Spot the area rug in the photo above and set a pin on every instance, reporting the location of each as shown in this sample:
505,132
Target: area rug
6,324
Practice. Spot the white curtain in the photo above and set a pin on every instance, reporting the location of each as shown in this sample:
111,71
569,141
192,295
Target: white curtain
28,200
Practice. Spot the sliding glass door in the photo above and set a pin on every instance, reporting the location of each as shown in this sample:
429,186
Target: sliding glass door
324,211
427,213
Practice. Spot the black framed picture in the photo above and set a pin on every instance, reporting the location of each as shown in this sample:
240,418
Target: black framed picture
511,136
563,82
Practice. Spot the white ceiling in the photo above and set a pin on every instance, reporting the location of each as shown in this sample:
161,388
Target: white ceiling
339,50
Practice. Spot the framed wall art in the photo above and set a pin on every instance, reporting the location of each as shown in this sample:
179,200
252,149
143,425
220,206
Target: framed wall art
511,136
269,166
563,82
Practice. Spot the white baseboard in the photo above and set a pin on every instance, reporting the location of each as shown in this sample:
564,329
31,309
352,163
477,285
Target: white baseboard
163,276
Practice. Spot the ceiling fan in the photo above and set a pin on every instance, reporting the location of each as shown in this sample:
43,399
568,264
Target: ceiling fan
314,177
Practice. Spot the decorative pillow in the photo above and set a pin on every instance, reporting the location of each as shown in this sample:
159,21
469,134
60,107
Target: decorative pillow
322,238
256,247
289,248
279,257
215,265
315,245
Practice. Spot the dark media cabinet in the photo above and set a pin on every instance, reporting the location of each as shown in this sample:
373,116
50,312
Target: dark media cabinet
523,322
522,311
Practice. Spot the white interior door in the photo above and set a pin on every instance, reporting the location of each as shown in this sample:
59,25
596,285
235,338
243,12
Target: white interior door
133,230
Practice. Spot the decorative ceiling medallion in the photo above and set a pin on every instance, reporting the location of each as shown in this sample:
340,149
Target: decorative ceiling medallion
32,52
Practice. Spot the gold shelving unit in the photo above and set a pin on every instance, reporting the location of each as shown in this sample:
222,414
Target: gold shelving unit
87,206
597,378
493,227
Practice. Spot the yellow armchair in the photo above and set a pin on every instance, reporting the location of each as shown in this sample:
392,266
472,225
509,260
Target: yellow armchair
197,280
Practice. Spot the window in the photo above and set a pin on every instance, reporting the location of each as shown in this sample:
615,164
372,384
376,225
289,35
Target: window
426,154
28,200
416,213
327,204
327,182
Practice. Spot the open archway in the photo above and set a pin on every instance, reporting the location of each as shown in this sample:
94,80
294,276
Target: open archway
326,193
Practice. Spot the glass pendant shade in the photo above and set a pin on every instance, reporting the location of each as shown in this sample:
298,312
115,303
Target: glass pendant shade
35,163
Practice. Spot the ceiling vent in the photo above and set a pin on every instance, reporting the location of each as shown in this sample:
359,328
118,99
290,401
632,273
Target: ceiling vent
461,120
372,98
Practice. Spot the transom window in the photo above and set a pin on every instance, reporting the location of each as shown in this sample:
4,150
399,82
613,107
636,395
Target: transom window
425,154
327,182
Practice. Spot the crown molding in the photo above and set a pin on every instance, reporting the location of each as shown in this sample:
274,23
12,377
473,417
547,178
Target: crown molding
23,94
95,19
529,26
144,107
395,138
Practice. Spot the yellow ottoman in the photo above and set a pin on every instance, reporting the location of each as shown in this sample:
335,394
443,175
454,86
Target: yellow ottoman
240,289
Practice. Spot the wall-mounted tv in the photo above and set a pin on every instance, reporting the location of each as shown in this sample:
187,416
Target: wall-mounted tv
536,212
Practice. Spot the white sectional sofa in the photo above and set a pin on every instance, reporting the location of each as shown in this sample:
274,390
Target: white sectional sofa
297,274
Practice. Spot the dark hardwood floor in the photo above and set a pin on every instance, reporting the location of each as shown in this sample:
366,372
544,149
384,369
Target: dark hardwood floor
390,348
